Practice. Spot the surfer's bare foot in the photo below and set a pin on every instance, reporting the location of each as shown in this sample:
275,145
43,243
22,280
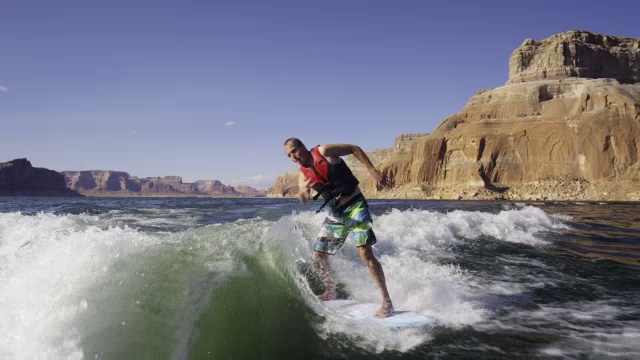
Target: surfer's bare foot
327,295
385,311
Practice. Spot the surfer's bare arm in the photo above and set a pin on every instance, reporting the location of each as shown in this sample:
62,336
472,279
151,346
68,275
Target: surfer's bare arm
304,188
336,150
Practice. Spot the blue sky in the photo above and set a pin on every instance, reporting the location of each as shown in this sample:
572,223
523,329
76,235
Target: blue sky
210,89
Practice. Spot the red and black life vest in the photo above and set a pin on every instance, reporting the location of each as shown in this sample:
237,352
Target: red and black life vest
332,179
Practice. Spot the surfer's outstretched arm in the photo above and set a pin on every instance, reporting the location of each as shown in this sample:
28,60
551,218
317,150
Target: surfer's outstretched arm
335,150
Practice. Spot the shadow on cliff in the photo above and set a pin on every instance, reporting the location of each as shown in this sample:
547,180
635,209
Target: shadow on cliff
490,185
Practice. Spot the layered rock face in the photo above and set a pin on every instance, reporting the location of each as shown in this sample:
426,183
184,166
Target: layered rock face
106,181
19,177
567,118
249,191
575,128
576,54
100,180
286,185
165,185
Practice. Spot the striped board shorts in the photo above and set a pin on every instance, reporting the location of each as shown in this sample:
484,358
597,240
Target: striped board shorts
354,219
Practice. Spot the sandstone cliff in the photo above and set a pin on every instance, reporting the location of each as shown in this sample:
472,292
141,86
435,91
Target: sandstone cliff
96,182
564,126
19,177
286,185
100,180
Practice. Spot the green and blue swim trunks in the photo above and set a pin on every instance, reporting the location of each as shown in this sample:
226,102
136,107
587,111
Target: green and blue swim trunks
353,218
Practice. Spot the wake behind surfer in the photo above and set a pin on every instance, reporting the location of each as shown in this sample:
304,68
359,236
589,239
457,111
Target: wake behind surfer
322,169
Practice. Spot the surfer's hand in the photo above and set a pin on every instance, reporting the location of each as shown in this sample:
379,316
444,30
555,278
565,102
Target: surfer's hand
304,196
304,191
308,184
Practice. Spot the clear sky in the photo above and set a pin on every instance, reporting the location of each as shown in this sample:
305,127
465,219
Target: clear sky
211,89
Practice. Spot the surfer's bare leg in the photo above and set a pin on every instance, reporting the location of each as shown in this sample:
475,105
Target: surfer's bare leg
321,264
375,269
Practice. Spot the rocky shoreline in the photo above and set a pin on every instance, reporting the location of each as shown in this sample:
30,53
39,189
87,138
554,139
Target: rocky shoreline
549,190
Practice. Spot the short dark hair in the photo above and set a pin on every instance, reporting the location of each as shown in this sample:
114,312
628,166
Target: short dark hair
296,142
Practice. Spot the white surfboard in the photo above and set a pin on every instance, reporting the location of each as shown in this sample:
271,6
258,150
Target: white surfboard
365,312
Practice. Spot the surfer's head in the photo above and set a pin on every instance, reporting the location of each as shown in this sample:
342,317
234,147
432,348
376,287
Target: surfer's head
297,152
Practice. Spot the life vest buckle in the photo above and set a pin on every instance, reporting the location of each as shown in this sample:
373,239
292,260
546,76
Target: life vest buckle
331,201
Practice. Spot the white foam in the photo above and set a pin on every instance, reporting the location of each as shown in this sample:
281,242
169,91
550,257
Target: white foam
153,217
47,262
427,230
415,229
516,276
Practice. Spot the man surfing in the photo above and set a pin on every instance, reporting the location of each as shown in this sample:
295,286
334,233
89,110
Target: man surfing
322,169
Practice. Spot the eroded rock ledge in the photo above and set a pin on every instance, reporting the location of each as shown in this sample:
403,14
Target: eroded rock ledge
576,54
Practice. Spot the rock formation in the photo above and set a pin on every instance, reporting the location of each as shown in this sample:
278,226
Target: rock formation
95,182
567,118
215,187
249,191
100,180
286,185
18,177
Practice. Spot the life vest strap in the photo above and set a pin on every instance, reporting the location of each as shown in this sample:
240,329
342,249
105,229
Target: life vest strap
329,199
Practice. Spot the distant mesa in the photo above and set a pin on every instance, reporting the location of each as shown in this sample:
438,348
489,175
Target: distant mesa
19,178
248,190
103,182
565,126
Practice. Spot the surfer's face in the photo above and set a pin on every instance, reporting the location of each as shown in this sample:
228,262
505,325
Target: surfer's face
297,154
